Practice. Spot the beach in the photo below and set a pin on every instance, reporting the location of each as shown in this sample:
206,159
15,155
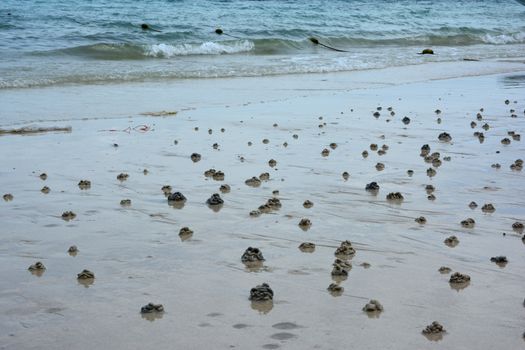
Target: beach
315,127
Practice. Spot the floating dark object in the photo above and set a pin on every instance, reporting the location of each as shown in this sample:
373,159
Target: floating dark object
427,52
219,31
145,26
315,41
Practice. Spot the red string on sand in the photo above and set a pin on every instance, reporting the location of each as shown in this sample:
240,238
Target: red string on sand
142,128
139,128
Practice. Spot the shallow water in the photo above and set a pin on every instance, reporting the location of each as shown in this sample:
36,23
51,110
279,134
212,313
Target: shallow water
138,257
48,43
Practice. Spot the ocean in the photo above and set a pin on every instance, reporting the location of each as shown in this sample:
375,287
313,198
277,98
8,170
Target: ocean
45,43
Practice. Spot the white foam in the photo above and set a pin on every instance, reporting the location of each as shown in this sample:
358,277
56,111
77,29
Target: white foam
206,48
515,38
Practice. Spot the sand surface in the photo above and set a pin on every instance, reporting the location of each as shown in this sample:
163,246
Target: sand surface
138,257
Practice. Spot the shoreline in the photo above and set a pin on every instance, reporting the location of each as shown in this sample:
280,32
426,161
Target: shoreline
143,97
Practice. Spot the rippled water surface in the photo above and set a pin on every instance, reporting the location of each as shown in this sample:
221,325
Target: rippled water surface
52,42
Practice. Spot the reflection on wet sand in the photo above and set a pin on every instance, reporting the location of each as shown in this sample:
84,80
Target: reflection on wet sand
337,226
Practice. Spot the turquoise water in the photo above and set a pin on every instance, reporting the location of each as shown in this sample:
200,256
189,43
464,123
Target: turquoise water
96,41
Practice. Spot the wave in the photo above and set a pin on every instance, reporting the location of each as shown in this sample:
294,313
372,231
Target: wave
457,38
206,48
56,71
514,38
270,46
117,51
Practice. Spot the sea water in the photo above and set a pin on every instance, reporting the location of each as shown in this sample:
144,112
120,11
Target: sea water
56,42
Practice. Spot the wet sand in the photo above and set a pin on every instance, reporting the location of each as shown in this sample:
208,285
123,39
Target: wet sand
138,257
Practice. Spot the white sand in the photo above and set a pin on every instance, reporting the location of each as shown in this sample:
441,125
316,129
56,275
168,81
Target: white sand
138,257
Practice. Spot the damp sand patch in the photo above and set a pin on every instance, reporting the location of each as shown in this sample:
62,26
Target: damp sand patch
31,130
160,114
